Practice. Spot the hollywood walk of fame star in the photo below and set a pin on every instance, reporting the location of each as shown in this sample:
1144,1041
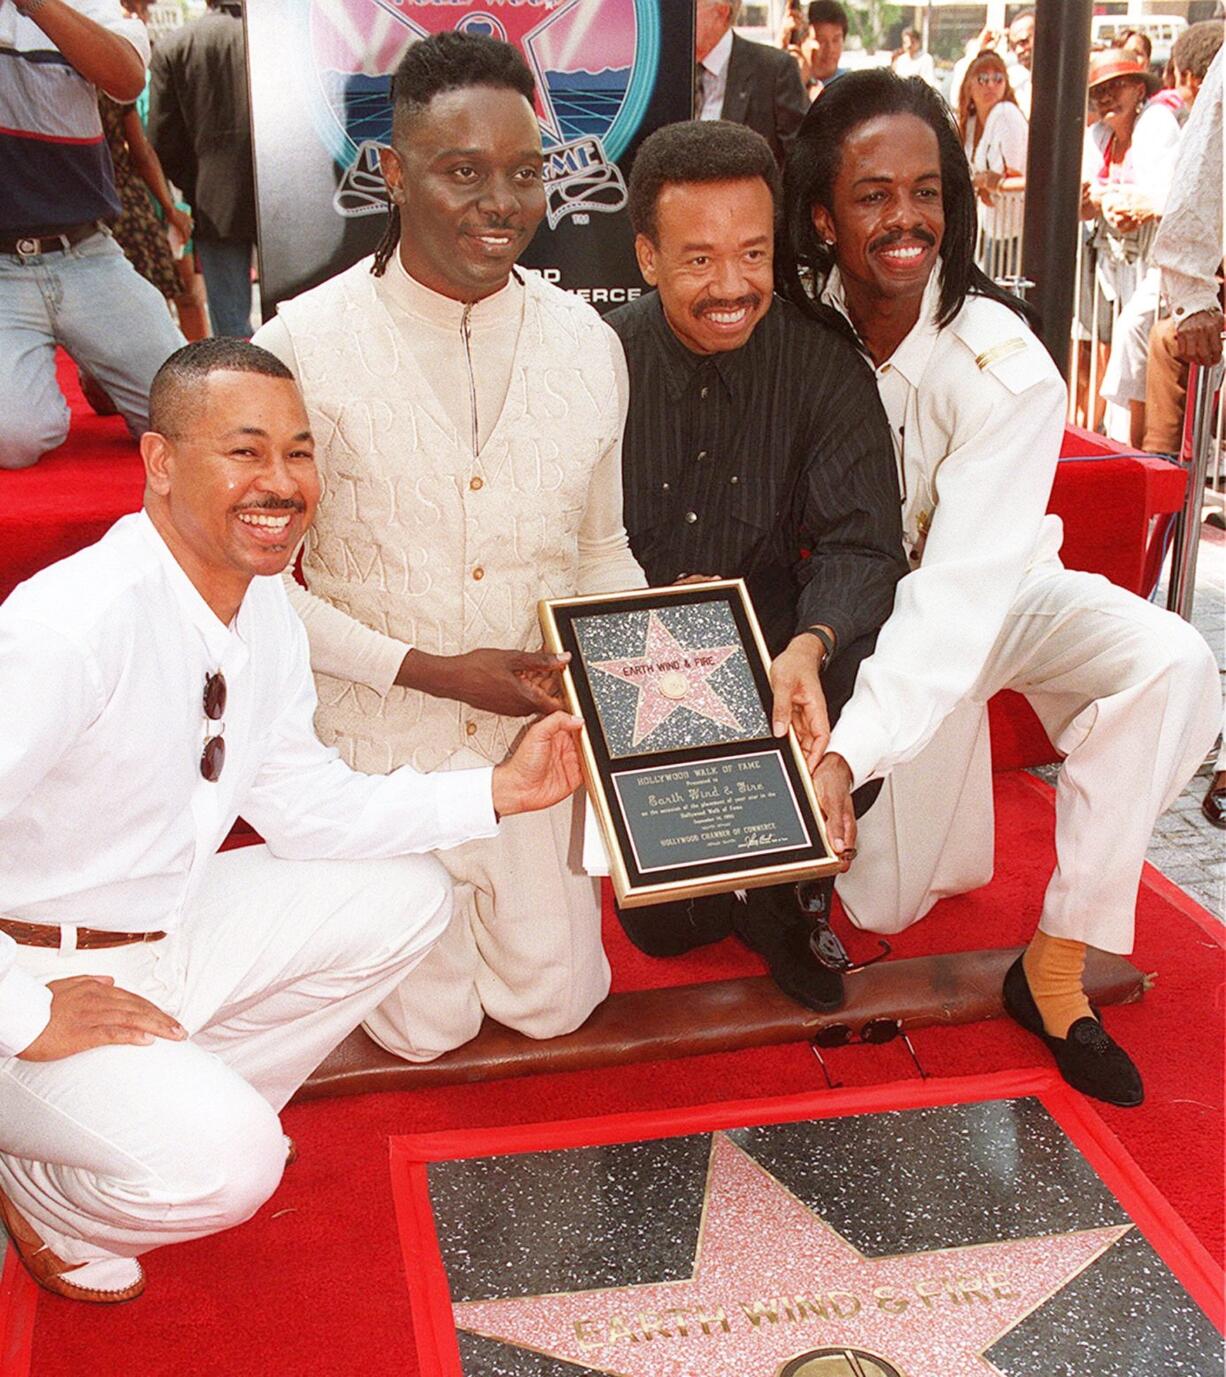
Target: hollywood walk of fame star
669,676
521,24
771,1279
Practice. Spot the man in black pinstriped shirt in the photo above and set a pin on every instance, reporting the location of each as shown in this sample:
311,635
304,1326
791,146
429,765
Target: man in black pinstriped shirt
753,433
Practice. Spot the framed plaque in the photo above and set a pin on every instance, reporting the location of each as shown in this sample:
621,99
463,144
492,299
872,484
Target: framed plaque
693,793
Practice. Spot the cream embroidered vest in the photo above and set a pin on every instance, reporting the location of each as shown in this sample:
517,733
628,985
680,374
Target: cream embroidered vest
420,539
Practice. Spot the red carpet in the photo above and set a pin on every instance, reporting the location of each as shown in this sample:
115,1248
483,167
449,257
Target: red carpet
314,1284
71,497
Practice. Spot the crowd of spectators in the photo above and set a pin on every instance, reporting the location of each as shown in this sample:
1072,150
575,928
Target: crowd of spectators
182,170
124,177
1136,113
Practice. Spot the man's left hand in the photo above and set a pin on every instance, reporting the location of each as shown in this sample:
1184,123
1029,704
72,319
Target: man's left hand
542,770
1198,338
799,700
832,784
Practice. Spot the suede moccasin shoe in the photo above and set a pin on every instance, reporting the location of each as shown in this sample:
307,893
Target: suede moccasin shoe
1088,1058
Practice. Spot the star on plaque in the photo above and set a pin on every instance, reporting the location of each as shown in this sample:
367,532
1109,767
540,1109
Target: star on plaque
792,1293
668,676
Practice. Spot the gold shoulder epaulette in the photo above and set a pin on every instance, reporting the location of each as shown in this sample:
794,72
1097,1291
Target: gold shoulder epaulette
1005,349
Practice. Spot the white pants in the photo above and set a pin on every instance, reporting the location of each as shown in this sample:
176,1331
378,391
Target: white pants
1124,379
930,833
1128,694
114,1151
524,946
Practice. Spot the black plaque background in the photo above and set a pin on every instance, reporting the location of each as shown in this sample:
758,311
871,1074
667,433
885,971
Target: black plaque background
303,240
564,618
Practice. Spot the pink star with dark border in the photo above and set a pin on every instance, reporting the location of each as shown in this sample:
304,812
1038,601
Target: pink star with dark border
772,1280
669,676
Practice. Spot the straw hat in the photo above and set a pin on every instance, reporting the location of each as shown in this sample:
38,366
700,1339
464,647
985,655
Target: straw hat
1115,62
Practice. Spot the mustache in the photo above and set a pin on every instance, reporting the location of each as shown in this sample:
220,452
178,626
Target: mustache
752,300
274,504
897,236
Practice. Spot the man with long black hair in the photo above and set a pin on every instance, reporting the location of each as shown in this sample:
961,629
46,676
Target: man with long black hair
470,418
880,228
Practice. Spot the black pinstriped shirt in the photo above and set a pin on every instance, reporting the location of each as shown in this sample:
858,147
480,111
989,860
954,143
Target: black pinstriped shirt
734,463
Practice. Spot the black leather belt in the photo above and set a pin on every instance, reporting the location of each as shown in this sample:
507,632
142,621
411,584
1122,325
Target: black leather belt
31,245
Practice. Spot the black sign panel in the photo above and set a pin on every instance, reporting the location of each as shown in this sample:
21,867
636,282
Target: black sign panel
608,72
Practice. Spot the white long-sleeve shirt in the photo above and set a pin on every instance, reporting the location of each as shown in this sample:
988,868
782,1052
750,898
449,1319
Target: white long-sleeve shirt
1189,247
471,387
105,819
977,414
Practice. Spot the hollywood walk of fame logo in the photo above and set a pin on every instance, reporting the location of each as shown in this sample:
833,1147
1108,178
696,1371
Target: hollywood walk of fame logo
668,676
791,1295
839,1362
594,61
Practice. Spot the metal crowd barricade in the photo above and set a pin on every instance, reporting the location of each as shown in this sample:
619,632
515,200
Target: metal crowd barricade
998,248
1096,317
1202,443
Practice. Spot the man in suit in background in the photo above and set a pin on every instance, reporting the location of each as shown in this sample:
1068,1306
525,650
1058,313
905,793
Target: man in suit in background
748,83
198,124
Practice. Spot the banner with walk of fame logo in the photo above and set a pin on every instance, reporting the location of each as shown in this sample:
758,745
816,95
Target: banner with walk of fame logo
989,1227
607,72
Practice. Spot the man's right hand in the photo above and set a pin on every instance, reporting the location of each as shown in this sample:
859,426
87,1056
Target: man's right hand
511,683
1198,338
91,1011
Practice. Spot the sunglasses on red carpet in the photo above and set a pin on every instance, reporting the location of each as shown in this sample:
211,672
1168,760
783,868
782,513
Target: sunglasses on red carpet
875,1032
213,757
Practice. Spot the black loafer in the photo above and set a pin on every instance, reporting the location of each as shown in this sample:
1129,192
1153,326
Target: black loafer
781,938
1213,805
801,976
1088,1057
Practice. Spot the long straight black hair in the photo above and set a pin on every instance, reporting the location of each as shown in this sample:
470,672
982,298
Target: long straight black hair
802,257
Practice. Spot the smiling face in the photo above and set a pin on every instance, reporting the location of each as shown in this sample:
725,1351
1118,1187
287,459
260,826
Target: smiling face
1118,102
986,82
235,491
887,219
1021,39
465,174
825,49
712,260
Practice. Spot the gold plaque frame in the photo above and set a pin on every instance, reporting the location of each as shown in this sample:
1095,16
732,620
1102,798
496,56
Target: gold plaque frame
634,882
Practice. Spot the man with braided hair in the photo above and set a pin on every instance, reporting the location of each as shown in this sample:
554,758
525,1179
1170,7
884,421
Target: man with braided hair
470,419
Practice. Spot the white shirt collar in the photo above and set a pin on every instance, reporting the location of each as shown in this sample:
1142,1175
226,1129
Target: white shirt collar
223,643
912,355
716,61
405,292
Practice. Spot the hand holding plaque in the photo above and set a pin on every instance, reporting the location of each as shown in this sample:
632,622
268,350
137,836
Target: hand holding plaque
693,791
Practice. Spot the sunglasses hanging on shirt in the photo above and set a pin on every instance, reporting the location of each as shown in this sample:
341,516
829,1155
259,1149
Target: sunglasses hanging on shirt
213,757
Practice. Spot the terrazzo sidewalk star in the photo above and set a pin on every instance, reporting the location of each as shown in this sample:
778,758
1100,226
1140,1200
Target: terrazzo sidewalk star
668,676
792,1284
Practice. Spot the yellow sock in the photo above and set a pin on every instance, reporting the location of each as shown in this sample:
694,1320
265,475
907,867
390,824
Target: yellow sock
1053,967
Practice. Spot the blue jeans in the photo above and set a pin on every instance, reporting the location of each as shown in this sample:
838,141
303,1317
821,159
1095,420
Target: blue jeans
94,303
226,265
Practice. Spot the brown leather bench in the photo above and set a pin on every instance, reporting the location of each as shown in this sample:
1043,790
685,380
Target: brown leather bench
721,1016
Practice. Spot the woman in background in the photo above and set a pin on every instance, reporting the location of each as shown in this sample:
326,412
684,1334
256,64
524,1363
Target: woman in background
995,134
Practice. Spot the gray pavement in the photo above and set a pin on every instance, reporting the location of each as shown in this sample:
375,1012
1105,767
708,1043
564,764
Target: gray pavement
1186,847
